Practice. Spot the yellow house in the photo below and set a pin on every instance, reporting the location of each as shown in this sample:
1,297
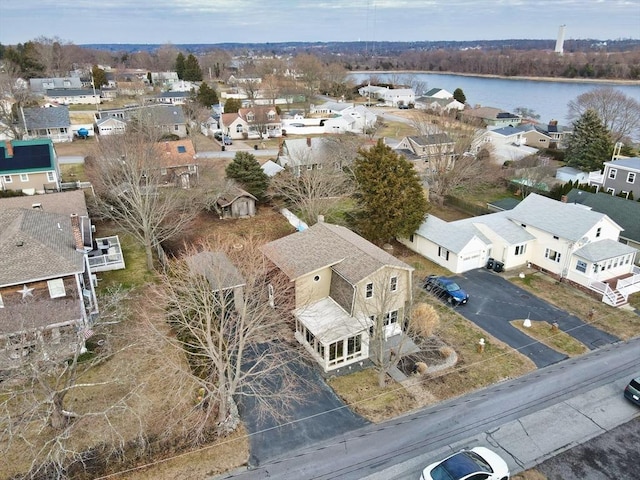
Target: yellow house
345,287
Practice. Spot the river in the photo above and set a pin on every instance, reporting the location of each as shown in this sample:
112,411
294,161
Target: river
548,99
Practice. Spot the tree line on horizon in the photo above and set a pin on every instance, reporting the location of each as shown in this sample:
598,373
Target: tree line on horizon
587,59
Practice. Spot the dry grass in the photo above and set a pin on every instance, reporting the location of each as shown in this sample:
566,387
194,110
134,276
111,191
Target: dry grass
622,323
73,172
76,148
363,394
224,455
557,340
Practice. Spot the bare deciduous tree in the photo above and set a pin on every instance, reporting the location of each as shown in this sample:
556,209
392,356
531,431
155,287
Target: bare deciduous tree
531,172
14,94
127,175
312,193
50,411
619,113
389,309
228,317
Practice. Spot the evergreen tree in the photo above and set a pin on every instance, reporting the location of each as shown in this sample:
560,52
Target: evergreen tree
459,95
192,70
206,95
99,76
590,143
232,105
389,194
246,170
180,66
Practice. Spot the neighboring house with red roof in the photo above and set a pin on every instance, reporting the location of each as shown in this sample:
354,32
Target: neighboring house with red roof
344,286
178,163
258,121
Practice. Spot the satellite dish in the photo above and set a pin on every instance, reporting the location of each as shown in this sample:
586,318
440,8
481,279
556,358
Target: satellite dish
582,241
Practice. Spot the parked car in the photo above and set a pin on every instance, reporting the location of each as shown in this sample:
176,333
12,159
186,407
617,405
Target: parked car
632,391
446,288
227,139
477,463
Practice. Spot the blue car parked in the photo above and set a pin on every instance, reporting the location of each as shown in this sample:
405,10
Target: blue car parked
446,288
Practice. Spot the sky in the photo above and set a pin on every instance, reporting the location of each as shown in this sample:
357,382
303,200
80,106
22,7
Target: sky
263,21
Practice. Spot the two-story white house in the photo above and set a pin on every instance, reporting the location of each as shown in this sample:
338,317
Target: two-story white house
570,242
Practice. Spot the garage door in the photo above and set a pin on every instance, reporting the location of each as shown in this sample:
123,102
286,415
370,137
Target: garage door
471,261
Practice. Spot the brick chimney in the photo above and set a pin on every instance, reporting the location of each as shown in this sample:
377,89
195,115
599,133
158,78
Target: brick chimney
77,233
563,199
8,148
309,142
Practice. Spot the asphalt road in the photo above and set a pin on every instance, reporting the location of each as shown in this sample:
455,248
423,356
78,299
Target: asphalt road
494,302
527,420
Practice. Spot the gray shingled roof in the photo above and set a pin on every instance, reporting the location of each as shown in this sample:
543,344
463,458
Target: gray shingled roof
562,219
64,203
36,245
160,114
501,225
625,213
603,250
217,269
454,237
54,117
628,163
71,92
323,245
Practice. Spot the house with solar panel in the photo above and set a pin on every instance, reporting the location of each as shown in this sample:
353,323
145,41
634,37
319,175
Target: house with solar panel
29,166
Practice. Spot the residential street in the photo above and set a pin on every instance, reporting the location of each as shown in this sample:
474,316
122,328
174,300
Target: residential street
526,420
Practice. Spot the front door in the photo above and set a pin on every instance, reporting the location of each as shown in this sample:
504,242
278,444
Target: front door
391,324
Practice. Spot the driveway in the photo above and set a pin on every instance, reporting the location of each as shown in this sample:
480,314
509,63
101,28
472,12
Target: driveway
321,416
494,302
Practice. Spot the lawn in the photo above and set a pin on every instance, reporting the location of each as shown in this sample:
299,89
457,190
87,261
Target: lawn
552,338
73,172
620,322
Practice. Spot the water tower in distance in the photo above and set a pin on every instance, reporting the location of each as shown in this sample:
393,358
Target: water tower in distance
560,41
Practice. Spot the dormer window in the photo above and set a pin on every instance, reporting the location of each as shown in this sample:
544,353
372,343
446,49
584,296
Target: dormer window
250,117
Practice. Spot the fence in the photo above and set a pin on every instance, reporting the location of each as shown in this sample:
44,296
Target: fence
467,207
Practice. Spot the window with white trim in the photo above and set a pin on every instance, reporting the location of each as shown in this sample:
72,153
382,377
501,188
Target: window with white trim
552,255
24,177
520,249
390,318
581,266
612,173
443,253
51,177
612,191
631,177
393,284
368,290
7,179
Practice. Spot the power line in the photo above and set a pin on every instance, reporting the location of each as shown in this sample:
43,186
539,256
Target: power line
418,381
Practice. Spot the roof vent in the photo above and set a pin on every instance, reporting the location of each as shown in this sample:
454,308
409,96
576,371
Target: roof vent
36,206
19,243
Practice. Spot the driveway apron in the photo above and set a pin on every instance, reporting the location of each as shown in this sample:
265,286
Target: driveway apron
496,301
321,416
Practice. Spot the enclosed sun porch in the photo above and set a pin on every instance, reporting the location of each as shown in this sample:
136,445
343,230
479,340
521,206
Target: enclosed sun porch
331,335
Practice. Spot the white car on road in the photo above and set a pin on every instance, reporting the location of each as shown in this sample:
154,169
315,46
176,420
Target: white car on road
479,463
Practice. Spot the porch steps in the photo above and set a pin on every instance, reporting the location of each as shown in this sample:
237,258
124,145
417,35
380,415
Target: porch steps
620,300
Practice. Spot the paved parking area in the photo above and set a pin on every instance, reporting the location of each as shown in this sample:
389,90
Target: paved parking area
321,416
495,301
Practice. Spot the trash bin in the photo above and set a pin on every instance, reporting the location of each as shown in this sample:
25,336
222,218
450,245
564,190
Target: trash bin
490,263
498,266
223,148
255,147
